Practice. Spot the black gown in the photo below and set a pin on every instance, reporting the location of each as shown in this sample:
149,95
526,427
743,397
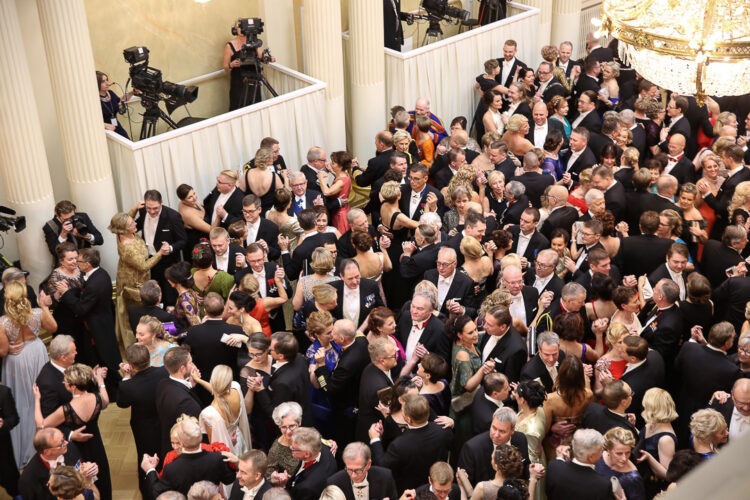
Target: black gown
237,84
110,109
93,449
395,292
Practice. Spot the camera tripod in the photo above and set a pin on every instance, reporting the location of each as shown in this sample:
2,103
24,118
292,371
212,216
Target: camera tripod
252,81
151,116
434,32
491,11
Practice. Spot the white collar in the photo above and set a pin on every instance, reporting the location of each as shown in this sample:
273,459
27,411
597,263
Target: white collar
675,120
632,366
527,237
716,349
182,381
58,367
193,452
577,462
254,490
253,224
611,185
497,402
349,291
544,281
88,274
449,279
736,169
418,426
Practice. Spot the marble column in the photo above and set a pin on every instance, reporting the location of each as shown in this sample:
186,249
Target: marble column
544,27
71,64
279,32
23,161
323,59
566,23
366,74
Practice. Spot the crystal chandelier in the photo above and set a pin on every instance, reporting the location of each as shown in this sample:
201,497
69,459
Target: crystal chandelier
692,47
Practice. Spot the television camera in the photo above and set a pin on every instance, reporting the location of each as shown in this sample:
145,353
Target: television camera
250,62
8,220
438,11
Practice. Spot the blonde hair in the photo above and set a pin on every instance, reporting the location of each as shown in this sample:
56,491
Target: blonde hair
631,155
704,423
221,383
229,173
154,325
426,286
658,407
400,135
615,332
79,375
471,248
262,157
119,223
332,492
515,123
615,67
324,294
511,259
249,284
723,119
17,305
499,297
584,178
741,194
618,435
390,191
322,261
318,322
493,174
674,220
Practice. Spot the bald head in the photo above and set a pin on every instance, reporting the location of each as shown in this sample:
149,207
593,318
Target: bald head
666,185
741,396
676,144
558,195
539,113
422,107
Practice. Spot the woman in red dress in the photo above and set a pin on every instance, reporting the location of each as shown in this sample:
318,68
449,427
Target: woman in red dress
340,165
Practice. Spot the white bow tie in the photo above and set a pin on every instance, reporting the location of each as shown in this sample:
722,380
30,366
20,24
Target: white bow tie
740,418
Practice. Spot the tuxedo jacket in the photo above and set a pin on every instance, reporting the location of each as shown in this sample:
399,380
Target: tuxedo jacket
413,267
170,228
9,414
455,493
433,336
661,272
530,302
289,382
461,290
681,126
33,482
376,168
553,88
535,183
551,124
642,254
476,456
380,484
614,199
730,299
312,180
566,480
524,109
624,176
369,298
512,214
597,141
172,400
232,251
52,231
208,351
555,284
268,232
509,353
373,379
684,170
238,494
309,483
665,334
139,394
342,384
411,454
568,69
537,243
276,316
563,217
52,389
726,409
583,278
584,83
301,258
441,161
591,121
311,194
657,204
598,417
717,257
404,202
481,411
344,244
517,64
720,202
233,206
535,369
584,161
636,201
189,468
136,312
642,378
638,142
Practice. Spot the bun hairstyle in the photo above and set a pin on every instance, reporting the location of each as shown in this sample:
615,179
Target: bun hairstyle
513,489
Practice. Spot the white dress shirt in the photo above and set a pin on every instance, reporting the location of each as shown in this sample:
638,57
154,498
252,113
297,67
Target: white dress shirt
540,133
252,231
552,370
580,118
443,285
677,278
149,232
249,493
491,343
523,242
507,67
182,381
222,261
738,425
221,200
350,306
540,283
414,201
574,155
262,285
517,308
414,335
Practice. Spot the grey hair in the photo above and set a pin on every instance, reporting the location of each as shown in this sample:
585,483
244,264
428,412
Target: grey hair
666,182
449,251
530,160
586,442
203,490
627,117
353,214
346,327
505,415
296,174
277,493
355,450
550,254
432,219
516,189
572,289
171,495
314,153
429,296
59,346
12,274
549,338
592,195
669,289
287,409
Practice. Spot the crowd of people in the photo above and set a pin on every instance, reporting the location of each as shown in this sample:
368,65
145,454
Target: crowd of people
557,309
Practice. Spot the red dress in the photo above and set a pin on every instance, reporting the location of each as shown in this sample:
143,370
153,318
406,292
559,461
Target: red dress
579,203
338,220
259,312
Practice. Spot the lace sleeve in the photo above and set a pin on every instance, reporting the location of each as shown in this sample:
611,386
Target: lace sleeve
132,254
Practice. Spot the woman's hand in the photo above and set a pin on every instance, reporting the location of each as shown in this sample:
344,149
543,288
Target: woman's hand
383,409
165,249
15,349
599,326
235,64
278,276
109,126
45,301
37,393
445,422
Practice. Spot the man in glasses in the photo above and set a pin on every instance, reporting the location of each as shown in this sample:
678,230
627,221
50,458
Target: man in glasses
544,277
616,398
549,86
735,407
225,200
360,480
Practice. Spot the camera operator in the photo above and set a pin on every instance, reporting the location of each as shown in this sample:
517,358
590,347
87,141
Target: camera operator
232,64
111,104
393,31
69,225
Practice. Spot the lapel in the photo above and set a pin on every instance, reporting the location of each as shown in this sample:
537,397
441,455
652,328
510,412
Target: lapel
426,333
544,375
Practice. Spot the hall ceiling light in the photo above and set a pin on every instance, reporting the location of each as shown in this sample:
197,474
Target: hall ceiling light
692,47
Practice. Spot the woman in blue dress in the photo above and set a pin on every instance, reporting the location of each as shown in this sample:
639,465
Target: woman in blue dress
320,326
615,461
552,164
558,110
609,94
111,104
657,440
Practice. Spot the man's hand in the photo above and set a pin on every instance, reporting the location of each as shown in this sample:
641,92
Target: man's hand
61,286
696,334
280,478
408,495
283,242
599,326
376,430
630,281
536,471
431,201
562,452
524,263
89,469
15,349
263,244
149,462
165,249
320,356
126,370
567,179
663,134
445,422
488,366
570,264
318,201
240,261
420,351
279,275
230,457
408,248
221,212
489,248
545,299
721,397
80,436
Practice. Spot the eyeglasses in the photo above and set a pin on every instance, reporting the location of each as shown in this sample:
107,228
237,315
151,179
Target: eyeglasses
256,354
293,449
356,471
285,428
542,265
394,356
584,233
299,184
250,211
445,264
62,443
516,282
746,352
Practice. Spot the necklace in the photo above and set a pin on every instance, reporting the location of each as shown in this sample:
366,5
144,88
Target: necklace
77,395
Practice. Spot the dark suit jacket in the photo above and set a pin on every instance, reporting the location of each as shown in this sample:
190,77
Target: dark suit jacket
662,272
33,482
730,299
639,142
52,389
512,214
344,244
232,252
598,417
312,193
555,284
602,54
523,109
404,202
238,494
369,298
139,394
614,199
563,217
342,385
172,400
376,168
300,260
642,254
269,232
530,302
553,88
517,64
584,161
170,228
310,483
535,183
380,479
597,142
720,203
481,411
290,382
584,83
411,454
373,379
441,161
189,468
537,243
682,126
535,370
9,414
136,312
433,336
591,121
716,259
551,125
642,378
476,456
413,267
461,289
509,353
52,230
667,335
233,206
684,170
566,480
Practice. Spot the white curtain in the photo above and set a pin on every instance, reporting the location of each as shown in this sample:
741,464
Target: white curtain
195,154
445,71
